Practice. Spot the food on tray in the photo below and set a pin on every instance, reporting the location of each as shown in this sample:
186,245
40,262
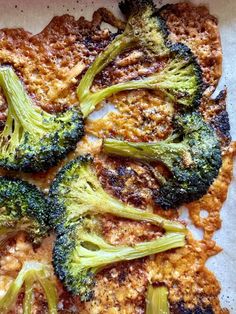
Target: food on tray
102,236
192,155
180,78
32,139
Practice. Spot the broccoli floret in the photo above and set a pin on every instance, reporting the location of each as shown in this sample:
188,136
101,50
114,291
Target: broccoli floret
81,252
181,79
22,208
192,155
31,272
145,27
78,192
157,300
33,140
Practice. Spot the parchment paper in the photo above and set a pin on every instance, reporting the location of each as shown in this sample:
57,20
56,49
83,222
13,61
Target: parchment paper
33,15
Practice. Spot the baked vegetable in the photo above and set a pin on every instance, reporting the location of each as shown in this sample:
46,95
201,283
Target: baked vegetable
157,300
144,28
78,192
180,79
192,155
23,208
31,272
33,140
81,252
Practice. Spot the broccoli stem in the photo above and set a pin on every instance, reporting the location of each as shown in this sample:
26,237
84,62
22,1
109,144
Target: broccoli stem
29,296
9,298
10,226
109,254
162,151
174,78
95,199
157,300
30,272
120,209
25,115
118,45
51,294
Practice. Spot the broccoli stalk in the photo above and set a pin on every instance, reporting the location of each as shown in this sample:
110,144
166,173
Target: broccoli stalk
31,272
163,151
32,139
23,208
119,44
144,29
192,155
29,295
79,192
180,80
81,252
157,300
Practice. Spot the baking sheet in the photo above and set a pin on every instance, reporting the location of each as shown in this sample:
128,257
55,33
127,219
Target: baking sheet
34,15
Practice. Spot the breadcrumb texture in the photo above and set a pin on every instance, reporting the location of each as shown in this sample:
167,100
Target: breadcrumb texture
51,64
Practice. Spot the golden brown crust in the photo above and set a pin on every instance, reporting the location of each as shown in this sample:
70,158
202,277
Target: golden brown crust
140,116
213,201
120,289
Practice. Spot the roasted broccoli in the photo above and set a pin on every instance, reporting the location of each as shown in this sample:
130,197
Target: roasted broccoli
144,29
157,300
192,155
32,139
78,192
180,79
82,251
31,272
22,208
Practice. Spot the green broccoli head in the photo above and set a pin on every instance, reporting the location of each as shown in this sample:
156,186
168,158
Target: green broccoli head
23,208
77,192
31,272
81,252
145,27
192,155
181,80
76,279
33,140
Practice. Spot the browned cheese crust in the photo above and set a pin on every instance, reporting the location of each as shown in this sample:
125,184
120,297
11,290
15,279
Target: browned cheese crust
44,61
